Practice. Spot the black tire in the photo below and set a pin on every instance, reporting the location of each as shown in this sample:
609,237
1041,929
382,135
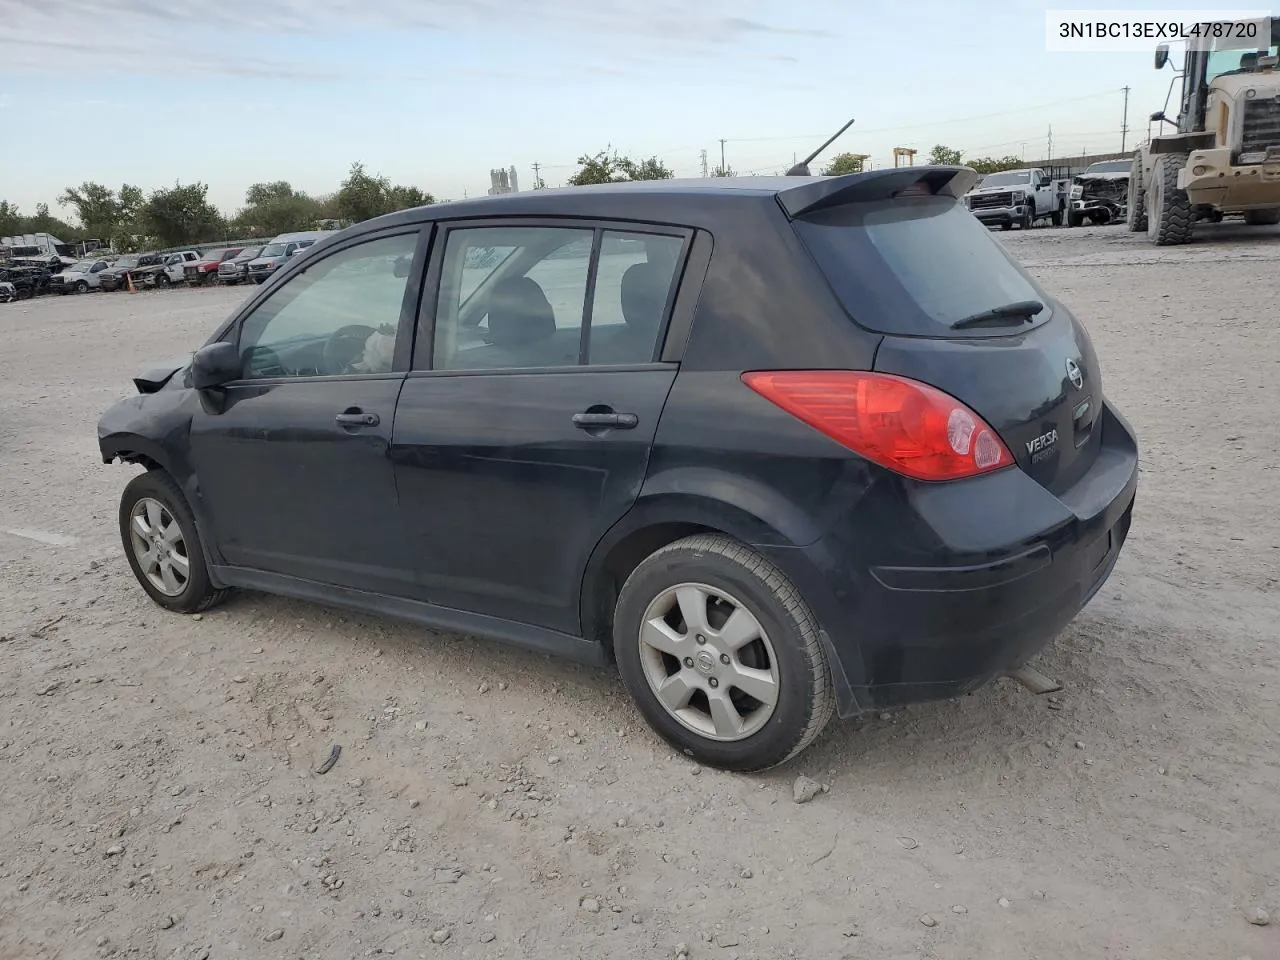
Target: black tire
1029,218
1135,220
1169,217
805,698
1007,225
1055,218
1262,218
162,279
82,286
1075,219
198,593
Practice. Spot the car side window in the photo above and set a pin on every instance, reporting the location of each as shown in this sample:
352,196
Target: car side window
526,308
339,316
634,277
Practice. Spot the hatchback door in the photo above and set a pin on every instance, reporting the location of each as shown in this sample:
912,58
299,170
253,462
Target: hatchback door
960,314
524,432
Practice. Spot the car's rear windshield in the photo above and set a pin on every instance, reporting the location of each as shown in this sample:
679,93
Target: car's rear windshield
913,267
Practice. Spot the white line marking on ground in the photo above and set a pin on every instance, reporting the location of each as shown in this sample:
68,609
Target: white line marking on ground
49,539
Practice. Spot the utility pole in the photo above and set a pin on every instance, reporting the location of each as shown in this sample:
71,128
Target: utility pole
702,155
723,169
1124,124
1049,155
537,179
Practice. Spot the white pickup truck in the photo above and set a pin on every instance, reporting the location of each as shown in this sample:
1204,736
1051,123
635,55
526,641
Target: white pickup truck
175,267
1016,196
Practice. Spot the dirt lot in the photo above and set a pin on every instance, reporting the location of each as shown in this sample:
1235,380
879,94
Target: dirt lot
159,790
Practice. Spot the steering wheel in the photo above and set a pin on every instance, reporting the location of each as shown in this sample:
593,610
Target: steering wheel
345,346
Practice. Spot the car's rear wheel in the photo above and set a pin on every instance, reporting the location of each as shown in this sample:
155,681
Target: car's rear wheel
721,654
163,544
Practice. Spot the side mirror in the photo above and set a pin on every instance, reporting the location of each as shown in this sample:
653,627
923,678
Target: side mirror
1162,55
1158,117
215,364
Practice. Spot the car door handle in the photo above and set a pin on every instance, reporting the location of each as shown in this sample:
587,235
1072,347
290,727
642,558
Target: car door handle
596,421
357,419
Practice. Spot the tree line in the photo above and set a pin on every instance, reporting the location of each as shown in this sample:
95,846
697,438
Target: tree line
129,219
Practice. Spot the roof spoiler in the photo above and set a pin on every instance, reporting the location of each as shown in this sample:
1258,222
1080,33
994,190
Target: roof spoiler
814,195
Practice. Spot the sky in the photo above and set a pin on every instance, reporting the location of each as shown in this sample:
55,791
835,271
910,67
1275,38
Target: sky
435,93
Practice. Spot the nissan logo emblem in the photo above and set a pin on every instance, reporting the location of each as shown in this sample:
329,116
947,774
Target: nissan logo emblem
1073,371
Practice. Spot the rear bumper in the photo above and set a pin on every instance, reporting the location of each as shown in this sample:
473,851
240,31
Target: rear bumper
929,591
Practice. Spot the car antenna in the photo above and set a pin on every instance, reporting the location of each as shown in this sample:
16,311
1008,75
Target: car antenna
801,169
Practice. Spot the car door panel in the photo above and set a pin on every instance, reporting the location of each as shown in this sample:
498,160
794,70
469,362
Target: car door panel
295,492
504,496
293,461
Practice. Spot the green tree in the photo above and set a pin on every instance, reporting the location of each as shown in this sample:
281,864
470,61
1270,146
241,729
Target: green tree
11,219
181,215
45,222
985,165
726,171
406,198
603,167
96,206
946,156
273,208
363,196
650,169
843,163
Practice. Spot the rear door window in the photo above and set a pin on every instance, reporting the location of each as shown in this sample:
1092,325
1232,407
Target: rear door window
913,267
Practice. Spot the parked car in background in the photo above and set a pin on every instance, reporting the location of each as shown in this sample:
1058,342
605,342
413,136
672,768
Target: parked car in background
26,281
205,270
277,253
882,472
80,277
1101,193
237,268
170,269
1016,197
115,277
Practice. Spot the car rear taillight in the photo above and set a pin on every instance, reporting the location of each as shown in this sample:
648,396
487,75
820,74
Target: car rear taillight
904,425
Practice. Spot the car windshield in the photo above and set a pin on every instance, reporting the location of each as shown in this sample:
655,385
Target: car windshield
81,266
1005,179
213,255
127,262
273,250
1110,166
914,267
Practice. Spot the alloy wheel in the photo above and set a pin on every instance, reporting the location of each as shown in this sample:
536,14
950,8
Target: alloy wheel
709,662
159,546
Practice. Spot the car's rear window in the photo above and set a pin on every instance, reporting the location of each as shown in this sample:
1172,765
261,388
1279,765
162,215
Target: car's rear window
913,267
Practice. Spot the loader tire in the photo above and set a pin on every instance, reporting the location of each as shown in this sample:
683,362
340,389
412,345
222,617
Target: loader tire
1262,218
1136,218
1169,218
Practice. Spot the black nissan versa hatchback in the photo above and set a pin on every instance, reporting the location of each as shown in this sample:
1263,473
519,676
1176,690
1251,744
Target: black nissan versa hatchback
775,447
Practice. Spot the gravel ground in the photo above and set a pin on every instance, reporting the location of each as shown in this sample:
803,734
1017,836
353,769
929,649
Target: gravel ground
160,798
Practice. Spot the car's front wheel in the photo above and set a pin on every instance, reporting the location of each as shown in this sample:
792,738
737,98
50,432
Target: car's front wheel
722,655
163,544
